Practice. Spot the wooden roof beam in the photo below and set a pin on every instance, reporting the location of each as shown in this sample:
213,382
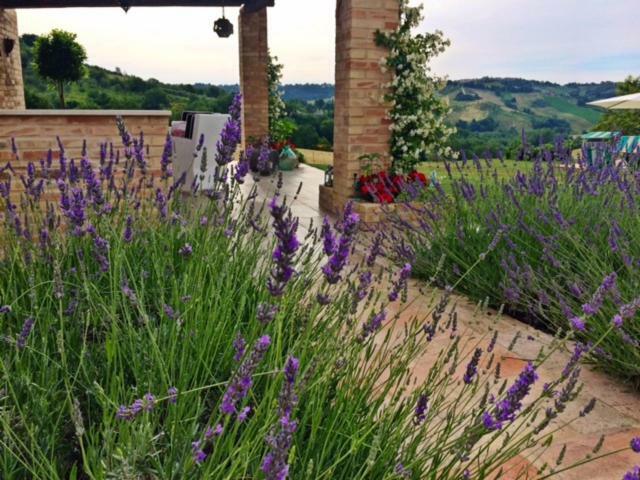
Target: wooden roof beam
250,5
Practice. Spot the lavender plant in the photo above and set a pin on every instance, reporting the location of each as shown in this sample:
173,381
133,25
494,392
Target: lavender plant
555,243
154,335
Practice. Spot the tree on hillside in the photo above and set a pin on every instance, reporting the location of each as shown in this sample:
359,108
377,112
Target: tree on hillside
625,121
60,59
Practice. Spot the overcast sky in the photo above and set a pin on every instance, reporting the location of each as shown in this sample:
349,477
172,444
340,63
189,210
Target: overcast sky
557,40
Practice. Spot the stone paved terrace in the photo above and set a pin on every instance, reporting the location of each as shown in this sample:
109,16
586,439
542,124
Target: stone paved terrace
617,411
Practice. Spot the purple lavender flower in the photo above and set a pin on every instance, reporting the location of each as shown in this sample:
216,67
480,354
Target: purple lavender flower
186,250
161,203
101,249
266,313
323,299
629,310
608,284
472,367
329,239
507,408
235,109
285,228
280,439
169,311
340,255
240,346
128,231
242,170
126,290
420,413
74,209
144,404
635,444
617,321
165,160
401,283
199,456
244,414
365,282
242,380
149,402
5,309
578,351
373,325
375,250
230,137
211,433
402,471
578,324
632,474
173,395
27,327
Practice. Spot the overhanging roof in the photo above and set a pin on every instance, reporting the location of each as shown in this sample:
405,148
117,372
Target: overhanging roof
250,5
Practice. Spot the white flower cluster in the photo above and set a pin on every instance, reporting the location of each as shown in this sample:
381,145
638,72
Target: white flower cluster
418,128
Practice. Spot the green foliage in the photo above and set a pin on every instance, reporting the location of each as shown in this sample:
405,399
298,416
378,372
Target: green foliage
104,89
109,306
418,112
559,231
624,121
59,59
277,130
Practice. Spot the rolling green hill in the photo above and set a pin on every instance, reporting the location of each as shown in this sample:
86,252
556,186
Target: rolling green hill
490,113
104,89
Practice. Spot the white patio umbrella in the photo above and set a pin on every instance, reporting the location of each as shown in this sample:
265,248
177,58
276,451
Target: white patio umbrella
624,102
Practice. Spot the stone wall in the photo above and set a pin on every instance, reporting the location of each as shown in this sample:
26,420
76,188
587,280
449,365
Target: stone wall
361,124
35,133
11,84
254,84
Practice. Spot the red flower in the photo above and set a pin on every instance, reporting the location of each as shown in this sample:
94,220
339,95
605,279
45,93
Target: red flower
385,198
413,176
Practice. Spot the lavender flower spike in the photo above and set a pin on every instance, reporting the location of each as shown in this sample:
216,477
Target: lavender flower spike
285,227
280,439
27,327
242,380
472,367
340,255
507,408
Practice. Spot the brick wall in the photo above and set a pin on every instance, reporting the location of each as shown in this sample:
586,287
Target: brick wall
11,85
35,133
254,84
361,126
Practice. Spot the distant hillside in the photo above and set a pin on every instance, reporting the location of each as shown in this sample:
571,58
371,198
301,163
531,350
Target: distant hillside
491,112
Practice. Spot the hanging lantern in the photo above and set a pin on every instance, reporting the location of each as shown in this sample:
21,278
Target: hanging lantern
223,27
125,5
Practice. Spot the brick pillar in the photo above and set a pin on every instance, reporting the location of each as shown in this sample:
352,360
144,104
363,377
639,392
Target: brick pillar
361,126
11,84
254,84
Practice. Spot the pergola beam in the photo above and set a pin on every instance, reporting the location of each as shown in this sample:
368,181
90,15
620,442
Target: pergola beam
250,5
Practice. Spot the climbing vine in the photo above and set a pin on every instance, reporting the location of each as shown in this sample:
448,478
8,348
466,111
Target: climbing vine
276,102
418,128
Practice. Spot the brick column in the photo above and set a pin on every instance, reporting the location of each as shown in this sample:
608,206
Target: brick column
254,84
11,84
361,126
